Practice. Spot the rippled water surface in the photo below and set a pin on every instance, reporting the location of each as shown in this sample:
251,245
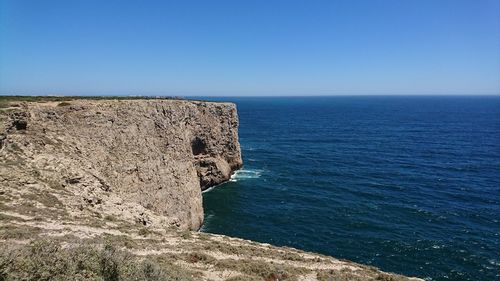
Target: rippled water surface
407,184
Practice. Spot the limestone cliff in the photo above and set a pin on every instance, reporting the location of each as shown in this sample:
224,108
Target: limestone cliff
145,160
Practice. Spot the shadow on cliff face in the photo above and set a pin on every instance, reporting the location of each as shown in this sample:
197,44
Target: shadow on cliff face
198,146
213,167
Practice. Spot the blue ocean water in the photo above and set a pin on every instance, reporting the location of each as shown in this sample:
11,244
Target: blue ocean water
408,184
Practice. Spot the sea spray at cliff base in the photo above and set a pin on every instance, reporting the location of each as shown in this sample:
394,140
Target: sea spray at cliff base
245,174
241,174
408,184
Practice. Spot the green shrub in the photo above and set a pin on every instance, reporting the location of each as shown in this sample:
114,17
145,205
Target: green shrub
47,260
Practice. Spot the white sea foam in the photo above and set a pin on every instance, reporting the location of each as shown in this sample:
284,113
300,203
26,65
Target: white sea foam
245,174
208,189
240,175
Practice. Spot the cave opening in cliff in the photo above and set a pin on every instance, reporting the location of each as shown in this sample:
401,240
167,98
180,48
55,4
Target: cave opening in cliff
198,146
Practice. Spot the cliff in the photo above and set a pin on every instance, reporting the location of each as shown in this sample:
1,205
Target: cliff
144,160
80,174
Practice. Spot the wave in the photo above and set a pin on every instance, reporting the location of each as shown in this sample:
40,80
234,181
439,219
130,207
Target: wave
239,175
246,174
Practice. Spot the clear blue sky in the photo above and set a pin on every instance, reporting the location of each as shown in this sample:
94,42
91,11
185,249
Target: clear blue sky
250,47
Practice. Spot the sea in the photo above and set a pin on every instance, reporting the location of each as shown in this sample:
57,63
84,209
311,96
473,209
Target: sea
408,184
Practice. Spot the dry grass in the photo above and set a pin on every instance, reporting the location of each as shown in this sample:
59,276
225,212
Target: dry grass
349,275
196,257
244,278
263,270
255,251
45,198
18,232
6,99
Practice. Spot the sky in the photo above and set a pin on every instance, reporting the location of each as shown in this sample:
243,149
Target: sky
253,47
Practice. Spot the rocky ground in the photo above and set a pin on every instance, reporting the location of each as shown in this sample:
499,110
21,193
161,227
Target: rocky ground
111,190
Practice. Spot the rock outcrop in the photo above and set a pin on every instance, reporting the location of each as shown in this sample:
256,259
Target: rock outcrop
146,160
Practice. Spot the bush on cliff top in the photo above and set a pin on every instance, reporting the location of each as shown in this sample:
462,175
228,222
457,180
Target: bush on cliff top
44,260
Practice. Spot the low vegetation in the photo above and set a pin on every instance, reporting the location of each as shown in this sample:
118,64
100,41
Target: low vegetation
9,101
48,260
50,98
350,275
263,270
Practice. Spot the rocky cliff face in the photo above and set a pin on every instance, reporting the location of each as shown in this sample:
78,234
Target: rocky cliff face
145,160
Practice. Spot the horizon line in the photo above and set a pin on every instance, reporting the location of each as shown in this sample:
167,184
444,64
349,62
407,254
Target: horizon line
250,95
